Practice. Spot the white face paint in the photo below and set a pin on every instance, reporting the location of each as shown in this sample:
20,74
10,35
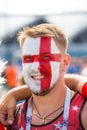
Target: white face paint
41,63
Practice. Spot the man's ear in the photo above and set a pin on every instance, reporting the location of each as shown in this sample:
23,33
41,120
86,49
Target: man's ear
66,62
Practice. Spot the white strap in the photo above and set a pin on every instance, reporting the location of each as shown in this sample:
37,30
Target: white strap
66,111
29,115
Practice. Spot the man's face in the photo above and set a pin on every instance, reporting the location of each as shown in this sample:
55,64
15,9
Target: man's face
41,63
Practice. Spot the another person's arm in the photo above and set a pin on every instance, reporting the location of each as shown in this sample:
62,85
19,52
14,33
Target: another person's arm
77,83
8,105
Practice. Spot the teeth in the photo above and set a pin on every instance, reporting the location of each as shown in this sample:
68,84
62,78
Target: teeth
38,77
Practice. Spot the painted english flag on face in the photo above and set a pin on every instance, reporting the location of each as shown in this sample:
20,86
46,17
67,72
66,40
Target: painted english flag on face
41,60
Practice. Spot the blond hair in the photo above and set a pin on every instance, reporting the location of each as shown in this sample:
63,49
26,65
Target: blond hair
45,30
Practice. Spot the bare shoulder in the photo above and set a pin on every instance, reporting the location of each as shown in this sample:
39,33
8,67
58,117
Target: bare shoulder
72,93
83,112
84,116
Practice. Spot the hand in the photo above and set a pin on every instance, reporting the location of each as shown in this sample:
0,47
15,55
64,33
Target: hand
8,104
7,108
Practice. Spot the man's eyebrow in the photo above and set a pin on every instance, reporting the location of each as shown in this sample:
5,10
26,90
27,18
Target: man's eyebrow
45,53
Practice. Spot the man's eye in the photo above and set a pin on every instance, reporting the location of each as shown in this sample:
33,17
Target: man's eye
46,57
27,59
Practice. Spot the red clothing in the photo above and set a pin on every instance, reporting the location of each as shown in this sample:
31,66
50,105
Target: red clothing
74,121
1,127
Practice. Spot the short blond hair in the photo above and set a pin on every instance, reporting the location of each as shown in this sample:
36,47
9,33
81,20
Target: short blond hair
45,30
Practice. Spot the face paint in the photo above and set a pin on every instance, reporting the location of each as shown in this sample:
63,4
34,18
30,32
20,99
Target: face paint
41,61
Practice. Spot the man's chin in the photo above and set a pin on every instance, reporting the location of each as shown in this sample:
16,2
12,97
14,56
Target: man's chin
42,93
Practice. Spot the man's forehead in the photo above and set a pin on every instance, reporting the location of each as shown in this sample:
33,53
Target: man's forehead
39,45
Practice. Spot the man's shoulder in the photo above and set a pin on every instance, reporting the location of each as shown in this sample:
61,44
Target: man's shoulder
77,98
84,115
80,102
77,94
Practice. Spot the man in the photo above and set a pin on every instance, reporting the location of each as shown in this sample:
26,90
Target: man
45,60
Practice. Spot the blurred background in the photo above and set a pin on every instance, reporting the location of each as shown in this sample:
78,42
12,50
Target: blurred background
69,15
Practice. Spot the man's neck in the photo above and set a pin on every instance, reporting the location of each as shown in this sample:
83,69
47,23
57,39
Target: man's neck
54,99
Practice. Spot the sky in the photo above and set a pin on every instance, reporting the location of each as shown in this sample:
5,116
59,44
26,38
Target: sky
40,7
23,8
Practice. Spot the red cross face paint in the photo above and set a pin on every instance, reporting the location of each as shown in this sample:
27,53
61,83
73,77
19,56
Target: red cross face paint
41,62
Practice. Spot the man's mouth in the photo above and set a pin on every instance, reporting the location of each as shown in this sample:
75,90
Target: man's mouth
37,77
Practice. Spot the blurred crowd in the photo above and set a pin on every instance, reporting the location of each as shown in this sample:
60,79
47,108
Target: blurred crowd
78,66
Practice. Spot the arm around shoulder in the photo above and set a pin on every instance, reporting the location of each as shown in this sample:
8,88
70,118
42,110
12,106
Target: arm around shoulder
75,82
8,104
